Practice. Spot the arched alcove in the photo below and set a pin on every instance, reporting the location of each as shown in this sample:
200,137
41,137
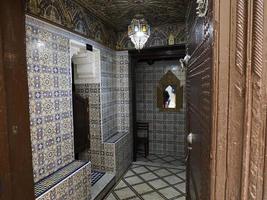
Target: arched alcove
169,93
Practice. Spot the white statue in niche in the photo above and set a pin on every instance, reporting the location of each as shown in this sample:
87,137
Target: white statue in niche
169,97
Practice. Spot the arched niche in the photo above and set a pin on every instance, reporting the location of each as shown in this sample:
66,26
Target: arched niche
169,93
86,64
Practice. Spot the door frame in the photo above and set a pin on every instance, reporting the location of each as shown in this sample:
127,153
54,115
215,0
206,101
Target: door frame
239,141
16,173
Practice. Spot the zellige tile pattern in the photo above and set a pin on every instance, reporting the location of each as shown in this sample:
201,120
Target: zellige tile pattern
47,183
111,141
50,98
76,186
150,182
166,128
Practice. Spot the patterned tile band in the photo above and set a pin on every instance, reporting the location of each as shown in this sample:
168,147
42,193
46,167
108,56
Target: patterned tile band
47,183
96,176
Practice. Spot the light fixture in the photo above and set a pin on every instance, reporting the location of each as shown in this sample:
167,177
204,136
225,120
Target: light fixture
139,31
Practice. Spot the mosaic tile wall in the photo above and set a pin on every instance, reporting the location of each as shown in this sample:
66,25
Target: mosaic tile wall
114,94
96,153
112,99
166,128
114,74
123,154
76,186
108,96
124,147
50,96
122,92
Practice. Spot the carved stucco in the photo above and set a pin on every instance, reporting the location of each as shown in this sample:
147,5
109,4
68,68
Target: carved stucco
159,36
119,13
72,16
102,20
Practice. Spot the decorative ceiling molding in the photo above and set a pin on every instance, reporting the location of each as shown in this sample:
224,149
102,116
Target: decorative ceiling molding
119,13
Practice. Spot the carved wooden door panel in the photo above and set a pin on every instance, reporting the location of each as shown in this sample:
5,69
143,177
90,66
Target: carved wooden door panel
199,104
227,114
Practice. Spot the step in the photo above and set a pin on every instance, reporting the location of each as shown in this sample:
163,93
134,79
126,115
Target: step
102,186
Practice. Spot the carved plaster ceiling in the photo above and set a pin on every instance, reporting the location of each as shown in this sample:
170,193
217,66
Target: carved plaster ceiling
119,13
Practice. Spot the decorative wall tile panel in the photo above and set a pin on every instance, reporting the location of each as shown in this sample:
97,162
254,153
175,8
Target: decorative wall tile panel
109,115
166,128
96,151
51,105
73,16
76,186
123,154
50,96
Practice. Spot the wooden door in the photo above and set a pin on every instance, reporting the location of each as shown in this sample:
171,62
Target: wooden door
199,103
16,173
227,114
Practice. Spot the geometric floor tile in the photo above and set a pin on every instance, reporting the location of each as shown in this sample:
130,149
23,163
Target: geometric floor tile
133,180
140,170
157,184
162,172
162,159
129,173
148,176
152,181
154,196
125,193
169,192
121,185
181,187
182,175
111,197
142,188
172,179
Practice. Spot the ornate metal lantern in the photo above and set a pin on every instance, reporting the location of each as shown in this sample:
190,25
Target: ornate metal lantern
139,31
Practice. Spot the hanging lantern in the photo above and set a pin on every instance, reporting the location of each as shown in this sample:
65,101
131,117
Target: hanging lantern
139,31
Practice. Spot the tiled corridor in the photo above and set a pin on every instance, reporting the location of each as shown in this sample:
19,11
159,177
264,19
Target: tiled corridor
152,179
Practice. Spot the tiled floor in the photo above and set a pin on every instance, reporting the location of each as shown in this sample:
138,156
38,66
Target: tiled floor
152,181
168,160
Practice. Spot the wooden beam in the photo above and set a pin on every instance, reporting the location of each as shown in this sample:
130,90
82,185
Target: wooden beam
159,53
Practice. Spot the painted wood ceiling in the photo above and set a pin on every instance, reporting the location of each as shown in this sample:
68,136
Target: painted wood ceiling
119,13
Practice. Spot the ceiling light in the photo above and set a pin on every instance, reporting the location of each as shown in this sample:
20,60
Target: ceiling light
139,31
